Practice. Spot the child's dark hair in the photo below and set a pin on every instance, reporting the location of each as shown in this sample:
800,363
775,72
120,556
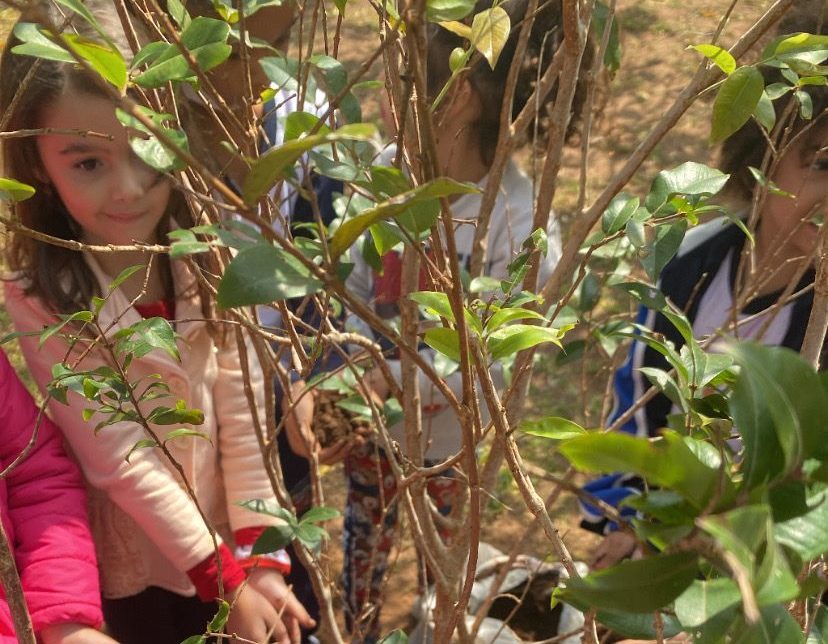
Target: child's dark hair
749,145
58,276
490,84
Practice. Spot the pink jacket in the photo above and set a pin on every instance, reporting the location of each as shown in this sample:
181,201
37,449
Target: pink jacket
43,509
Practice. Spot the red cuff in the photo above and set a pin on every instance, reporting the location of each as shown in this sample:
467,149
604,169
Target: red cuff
248,536
205,574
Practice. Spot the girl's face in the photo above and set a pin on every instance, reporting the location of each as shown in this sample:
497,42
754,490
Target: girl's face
111,194
803,172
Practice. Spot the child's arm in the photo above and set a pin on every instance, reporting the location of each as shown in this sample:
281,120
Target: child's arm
47,510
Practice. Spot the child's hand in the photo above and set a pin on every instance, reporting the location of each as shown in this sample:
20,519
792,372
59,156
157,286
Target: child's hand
271,585
253,618
298,420
73,634
613,548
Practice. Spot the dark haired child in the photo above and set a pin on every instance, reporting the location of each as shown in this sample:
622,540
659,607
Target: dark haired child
158,564
705,279
466,132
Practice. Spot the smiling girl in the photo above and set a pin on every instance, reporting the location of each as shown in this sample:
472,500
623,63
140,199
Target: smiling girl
158,564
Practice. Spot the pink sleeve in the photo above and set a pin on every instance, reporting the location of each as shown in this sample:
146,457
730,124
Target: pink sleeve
47,507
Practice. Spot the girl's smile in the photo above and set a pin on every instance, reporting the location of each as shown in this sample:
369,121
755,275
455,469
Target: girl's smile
110,193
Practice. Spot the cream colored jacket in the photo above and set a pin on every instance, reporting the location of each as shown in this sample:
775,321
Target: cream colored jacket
147,530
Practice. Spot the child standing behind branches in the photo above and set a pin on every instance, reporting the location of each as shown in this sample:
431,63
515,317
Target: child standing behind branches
159,568
466,132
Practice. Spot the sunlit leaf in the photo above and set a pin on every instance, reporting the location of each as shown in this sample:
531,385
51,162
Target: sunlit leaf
735,102
720,57
489,33
11,190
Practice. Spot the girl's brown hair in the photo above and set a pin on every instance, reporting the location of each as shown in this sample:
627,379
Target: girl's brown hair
490,84
60,277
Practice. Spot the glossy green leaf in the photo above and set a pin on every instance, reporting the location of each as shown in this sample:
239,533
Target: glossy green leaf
36,43
457,28
638,625
667,462
703,600
175,415
148,335
271,167
147,146
311,536
187,433
509,340
442,10
510,314
11,190
806,534
775,626
640,586
735,102
656,254
216,624
434,303
690,178
179,13
263,274
273,538
205,39
552,427
320,513
489,33
104,59
618,213
765,112
444,340
779,407
718,56
351,229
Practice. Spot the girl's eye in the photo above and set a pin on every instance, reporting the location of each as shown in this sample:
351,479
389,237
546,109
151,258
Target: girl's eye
88,165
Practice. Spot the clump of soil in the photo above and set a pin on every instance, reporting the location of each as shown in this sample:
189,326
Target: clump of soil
332,423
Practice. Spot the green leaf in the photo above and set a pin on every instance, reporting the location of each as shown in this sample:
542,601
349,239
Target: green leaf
662,248
612,55
273,165
195,639
263,274
779,407
819,628
618,213
765,112
38,44
124,275
395,637
104,59
775,626
11,190
185,433
806,104
351,229
720,57
310,536
147,146
666,462
180,414
489,33
442,10
144,443
48,332
273,538
216,624
552,427
511,339
510,314
690,179
638,625
735,102
148,335
179,13
443,340
704,601
807,534
434,303
319,513
205,39
262,507
640,586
